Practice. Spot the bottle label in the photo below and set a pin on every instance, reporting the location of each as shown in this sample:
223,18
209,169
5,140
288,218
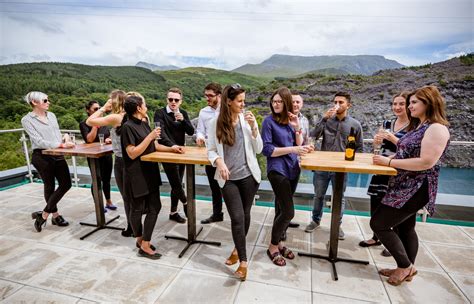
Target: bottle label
349,153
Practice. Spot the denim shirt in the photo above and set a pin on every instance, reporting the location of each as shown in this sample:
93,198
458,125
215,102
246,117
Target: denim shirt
276,135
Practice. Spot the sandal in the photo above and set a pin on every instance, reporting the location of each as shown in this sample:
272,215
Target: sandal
366,244
232,259
241,273
386,272
276,258
287,253
139,246
408,278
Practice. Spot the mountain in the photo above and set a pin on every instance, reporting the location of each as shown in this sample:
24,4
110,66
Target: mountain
155,67
194,79
372,96
289,66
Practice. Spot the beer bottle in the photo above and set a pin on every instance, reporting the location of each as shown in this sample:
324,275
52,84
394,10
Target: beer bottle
351,146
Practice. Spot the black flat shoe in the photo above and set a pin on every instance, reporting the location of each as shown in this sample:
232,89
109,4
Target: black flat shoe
59,221
127,232
213,219
139,247
177,218
39,220
293,225
143,254
365,244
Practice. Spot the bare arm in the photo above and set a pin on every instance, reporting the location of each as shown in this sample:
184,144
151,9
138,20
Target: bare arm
432,147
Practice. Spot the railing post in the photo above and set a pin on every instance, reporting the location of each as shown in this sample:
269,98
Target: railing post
27,155
74,166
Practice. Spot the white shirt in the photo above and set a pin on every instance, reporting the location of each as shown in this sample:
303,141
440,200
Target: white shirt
205,116
43,134
304,125
168,110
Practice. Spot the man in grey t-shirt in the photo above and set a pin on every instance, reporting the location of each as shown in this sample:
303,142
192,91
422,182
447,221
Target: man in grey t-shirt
334,127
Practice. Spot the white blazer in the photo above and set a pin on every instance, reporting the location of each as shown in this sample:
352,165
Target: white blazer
252,147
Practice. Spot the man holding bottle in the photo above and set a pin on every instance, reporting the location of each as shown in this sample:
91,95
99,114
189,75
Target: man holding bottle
335,126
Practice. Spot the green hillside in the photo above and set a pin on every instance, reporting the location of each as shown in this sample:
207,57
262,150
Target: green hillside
193,80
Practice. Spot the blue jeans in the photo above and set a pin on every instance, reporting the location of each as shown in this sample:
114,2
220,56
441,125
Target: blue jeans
321,182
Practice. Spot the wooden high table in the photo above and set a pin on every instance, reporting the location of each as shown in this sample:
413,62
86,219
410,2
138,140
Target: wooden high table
334,162
92,151
191,157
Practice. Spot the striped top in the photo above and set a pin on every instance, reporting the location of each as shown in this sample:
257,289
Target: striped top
43,135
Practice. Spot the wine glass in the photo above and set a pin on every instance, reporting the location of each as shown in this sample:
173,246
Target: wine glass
158,126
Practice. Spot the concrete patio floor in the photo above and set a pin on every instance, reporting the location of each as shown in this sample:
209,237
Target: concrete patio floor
54,266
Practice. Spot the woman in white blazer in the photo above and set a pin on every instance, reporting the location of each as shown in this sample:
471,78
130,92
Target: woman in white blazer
234,141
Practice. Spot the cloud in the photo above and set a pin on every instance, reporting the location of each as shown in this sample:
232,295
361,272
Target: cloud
36,23
232,33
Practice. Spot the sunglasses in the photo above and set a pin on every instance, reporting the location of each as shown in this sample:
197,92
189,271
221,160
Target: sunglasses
45,100
236,86
174,99
95,109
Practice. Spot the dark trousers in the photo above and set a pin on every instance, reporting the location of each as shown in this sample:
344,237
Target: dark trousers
118,172
238,197
375,202
403,245
216,191
175,172
150,205
284,190
105,167
50,168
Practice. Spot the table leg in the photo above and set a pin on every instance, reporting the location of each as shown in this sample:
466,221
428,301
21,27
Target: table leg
334,232
191,196
98,201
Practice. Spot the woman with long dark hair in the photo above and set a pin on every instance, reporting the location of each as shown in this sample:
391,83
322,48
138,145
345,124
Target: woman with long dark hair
43,129
234,141
416,183
141,179
282,143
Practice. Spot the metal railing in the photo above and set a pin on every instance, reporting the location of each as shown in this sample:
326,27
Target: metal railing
24,140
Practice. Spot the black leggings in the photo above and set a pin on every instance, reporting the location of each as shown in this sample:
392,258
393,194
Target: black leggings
238,197
105,167
284,190
118,172
49,168
150,205
216,191
175,172
403,245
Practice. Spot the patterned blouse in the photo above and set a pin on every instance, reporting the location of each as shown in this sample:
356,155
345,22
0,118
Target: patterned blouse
406,183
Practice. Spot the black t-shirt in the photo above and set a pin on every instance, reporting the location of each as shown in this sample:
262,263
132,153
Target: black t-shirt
85,129
172,131
141,178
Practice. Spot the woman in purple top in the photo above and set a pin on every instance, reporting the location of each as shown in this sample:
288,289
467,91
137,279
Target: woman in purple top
415,185
282,143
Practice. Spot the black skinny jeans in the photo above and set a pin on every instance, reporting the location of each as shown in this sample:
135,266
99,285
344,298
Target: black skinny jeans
238,197
105,167
49,168
150,205
175,172
216,191
403,245
284,190
375,202
119,172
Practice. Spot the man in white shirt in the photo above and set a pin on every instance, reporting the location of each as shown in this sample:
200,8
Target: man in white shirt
212,92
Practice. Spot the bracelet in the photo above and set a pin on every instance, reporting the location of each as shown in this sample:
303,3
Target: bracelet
390,160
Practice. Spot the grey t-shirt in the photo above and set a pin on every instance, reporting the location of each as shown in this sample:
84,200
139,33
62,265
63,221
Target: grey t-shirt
234,156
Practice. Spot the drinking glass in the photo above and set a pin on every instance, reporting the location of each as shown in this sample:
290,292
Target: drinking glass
101,139
72,137
158,125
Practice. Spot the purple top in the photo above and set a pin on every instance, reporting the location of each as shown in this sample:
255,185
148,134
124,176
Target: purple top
275,135
406,183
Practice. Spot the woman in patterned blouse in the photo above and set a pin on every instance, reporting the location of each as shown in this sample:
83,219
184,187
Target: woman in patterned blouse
416,183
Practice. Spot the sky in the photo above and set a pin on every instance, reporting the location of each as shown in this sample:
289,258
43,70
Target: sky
228,34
